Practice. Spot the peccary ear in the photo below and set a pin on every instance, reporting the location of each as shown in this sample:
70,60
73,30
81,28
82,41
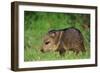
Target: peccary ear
52,33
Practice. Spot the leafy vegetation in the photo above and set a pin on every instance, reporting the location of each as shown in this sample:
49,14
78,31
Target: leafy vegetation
37,24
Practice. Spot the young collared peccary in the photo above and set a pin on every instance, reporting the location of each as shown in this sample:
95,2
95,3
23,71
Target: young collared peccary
63,40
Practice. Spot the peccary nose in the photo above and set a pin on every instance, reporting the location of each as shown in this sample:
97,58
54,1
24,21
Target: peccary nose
41,50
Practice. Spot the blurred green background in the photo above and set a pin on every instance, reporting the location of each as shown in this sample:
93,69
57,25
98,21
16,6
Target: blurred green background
37,24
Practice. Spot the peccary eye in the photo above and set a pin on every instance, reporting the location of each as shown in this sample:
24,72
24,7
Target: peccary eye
47,42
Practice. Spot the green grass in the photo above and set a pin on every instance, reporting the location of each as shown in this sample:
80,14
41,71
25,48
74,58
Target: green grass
36,55
37,24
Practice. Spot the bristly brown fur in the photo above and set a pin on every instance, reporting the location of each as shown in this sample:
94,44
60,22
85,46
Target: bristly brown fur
65,40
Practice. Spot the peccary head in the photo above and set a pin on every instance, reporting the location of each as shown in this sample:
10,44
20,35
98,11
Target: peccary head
49,41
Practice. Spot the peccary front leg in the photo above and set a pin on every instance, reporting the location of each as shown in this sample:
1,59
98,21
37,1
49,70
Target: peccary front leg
62,51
